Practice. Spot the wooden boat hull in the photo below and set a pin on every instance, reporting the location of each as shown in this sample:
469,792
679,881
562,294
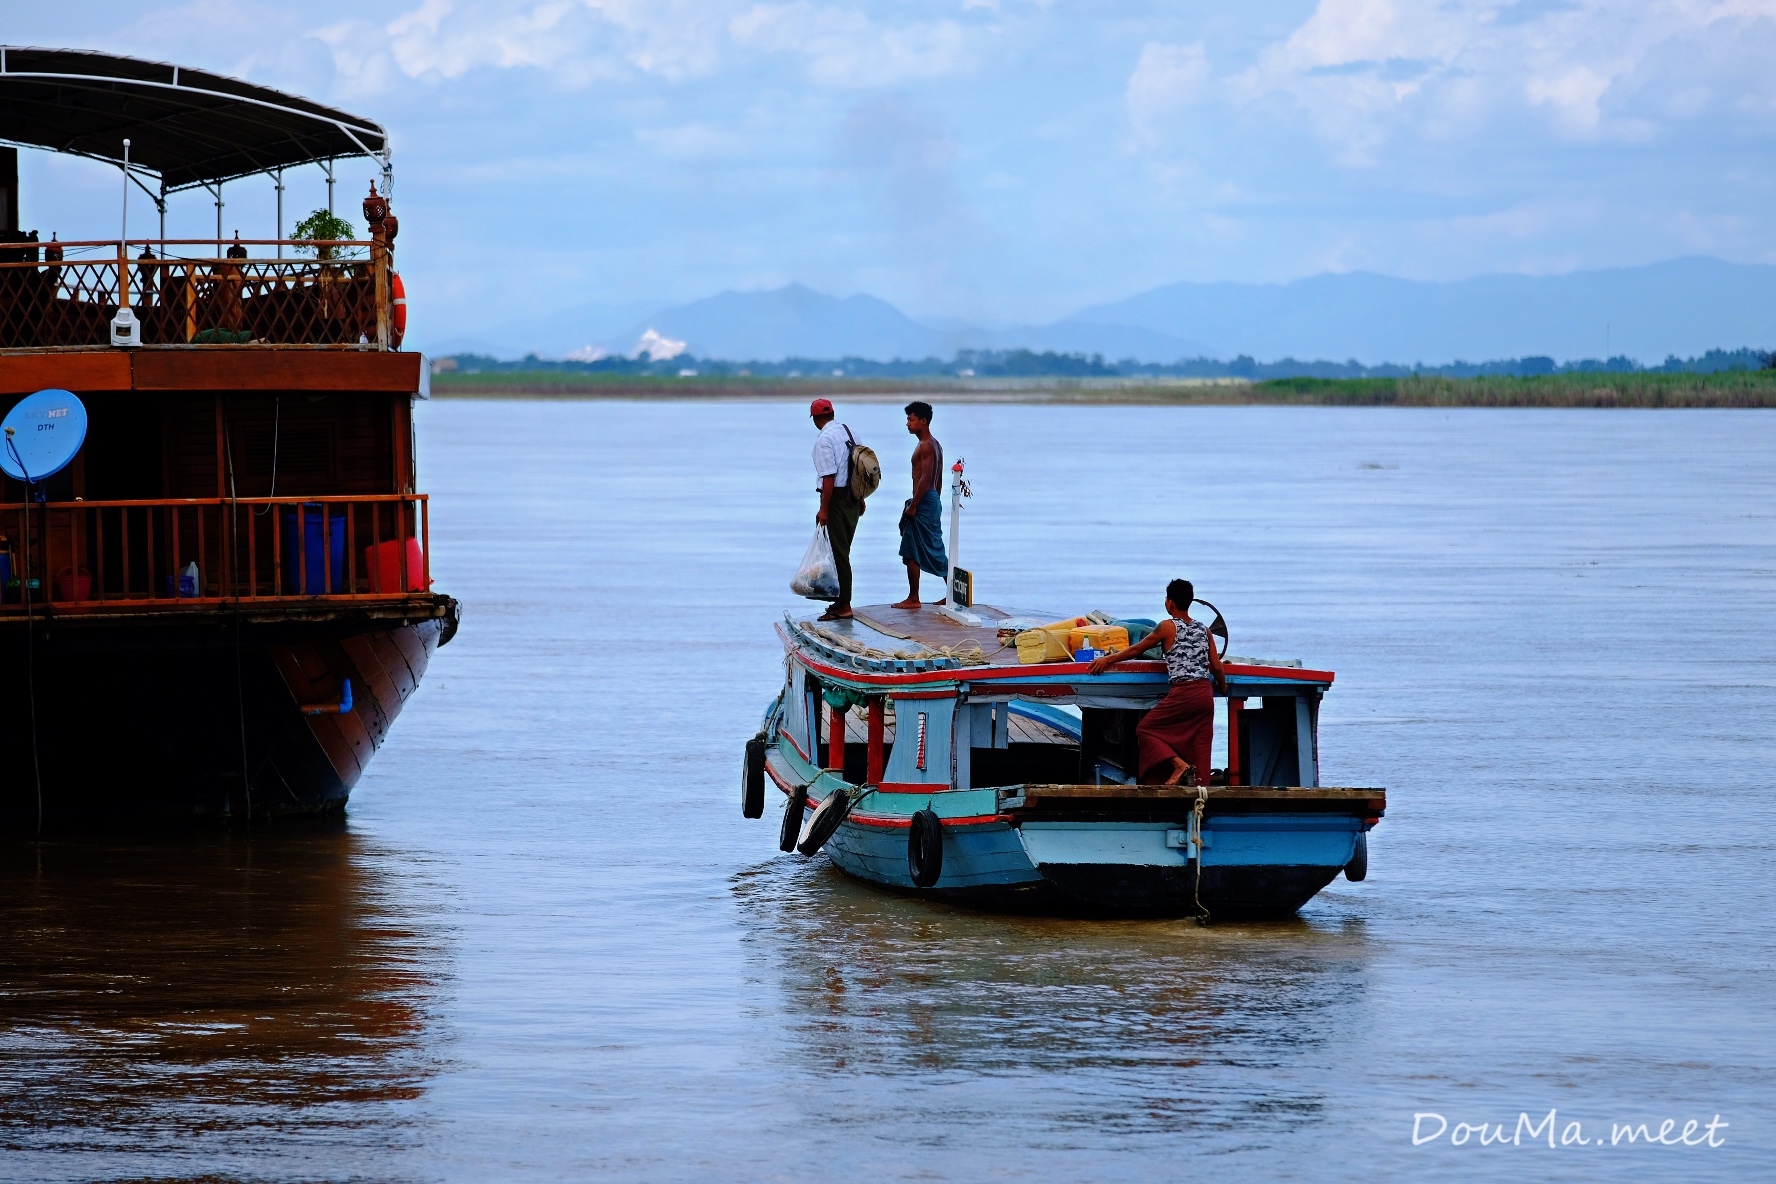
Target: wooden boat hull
1259,858
155,720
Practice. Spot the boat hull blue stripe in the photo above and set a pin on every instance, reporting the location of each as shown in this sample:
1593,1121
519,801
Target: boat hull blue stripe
1254,866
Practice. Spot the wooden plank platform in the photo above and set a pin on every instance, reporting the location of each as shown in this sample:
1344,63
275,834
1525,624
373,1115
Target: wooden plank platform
928,627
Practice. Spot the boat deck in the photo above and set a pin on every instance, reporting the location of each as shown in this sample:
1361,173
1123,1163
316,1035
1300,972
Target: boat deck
889,629
884,632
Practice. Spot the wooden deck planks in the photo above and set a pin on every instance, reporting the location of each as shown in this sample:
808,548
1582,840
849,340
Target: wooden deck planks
1025,730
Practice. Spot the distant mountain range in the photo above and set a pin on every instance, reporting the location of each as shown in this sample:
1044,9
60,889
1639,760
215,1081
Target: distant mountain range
1681,307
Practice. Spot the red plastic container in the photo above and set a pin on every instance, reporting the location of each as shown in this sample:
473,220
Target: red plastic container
71,585
383,565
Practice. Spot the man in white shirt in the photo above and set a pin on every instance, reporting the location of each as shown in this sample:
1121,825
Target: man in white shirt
839,511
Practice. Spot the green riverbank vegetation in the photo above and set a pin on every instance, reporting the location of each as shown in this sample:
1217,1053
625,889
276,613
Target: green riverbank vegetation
1723,388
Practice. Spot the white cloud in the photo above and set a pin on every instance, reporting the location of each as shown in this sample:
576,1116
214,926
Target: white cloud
672,39
1363,73
525,35
843,47
1573,93
1167,79
579,41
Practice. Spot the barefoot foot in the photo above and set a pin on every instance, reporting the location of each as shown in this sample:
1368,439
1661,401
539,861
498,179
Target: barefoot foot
908,603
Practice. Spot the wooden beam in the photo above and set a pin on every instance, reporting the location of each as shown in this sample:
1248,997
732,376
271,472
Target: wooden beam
877,709
1186,793
203,368
835,745
245,368
1234,708
73,370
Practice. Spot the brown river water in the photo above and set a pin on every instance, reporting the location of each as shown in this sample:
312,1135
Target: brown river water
544,945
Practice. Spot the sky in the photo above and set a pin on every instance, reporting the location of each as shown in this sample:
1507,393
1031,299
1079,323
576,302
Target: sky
990,161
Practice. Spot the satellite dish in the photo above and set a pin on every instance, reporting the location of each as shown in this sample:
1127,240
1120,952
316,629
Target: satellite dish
42,434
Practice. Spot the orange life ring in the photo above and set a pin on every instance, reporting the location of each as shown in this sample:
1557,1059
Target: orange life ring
397,309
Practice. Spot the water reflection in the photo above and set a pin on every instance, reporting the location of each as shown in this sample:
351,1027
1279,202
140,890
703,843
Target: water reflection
1132,1026
168,995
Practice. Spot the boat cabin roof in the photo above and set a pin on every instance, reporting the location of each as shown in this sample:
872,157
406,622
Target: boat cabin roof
190,127
886,646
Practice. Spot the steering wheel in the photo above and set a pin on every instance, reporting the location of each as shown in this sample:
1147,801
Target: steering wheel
1217,628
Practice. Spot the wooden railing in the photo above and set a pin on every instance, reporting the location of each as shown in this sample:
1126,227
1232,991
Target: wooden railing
173,553
186,296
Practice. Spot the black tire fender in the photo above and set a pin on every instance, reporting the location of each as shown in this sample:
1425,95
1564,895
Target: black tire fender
825,822
1358,868
925,848
752,783
792,819
452,621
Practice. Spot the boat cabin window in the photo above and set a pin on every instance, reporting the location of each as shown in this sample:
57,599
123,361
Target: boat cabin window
1030,741
1035,742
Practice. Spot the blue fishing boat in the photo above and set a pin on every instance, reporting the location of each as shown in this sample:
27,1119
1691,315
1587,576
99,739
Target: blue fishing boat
919,752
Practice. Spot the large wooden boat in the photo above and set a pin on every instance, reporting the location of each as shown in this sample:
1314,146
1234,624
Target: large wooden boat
221,606
973,778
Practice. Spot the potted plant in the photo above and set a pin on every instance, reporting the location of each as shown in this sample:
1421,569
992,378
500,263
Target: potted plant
320,228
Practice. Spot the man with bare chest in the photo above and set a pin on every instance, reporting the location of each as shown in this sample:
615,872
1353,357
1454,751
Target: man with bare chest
921,522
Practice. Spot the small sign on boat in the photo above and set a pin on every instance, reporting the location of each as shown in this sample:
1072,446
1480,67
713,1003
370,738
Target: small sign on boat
962,587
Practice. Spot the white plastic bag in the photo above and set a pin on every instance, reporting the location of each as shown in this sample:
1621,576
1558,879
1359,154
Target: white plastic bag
818,576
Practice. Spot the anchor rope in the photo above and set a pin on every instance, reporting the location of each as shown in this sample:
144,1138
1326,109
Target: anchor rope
1202,800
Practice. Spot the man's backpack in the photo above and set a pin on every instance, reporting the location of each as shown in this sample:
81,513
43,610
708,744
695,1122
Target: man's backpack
865,469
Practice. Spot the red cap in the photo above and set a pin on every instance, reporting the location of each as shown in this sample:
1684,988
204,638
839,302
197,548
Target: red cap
820,407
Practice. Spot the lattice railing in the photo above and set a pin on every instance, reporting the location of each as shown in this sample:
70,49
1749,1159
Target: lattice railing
67,301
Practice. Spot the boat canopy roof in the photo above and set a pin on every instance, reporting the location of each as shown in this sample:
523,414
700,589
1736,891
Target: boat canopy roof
188,126
884,648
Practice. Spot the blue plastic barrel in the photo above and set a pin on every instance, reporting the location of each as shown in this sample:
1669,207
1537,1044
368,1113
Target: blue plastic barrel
316,545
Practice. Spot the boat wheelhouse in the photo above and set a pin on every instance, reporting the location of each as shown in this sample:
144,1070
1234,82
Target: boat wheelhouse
935,762
221,605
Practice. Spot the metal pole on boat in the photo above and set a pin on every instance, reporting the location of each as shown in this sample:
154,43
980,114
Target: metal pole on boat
958,491
955,532
126,180
125,330
279,176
